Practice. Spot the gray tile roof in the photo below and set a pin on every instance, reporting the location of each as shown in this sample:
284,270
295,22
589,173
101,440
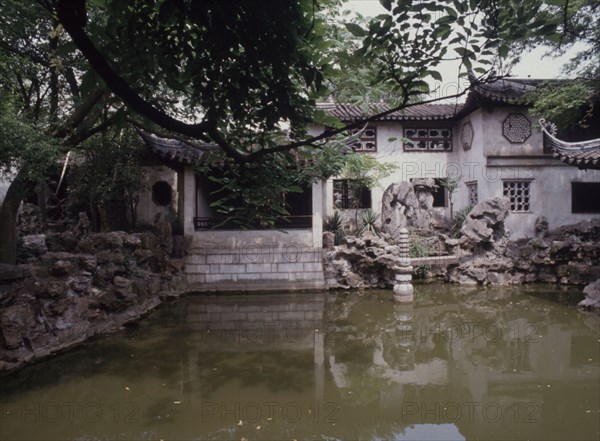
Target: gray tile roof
582,154
420,112
174,150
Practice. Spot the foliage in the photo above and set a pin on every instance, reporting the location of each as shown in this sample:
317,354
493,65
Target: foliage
451,183
458,221
575,27
236,76
335,224
369,221
22,146
365,171
417,248
251,194
567,104
109,178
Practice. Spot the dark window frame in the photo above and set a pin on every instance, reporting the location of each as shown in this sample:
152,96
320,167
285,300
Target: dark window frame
581,204
364,200
440,193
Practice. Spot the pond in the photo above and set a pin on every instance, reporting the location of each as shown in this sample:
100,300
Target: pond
461,363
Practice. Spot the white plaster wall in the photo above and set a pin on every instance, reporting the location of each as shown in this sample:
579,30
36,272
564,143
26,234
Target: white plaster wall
491,159
147,209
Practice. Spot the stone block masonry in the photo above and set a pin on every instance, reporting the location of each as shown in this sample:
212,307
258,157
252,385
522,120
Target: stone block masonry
250,266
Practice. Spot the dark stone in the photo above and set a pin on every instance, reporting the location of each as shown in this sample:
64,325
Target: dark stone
14,324
82,282
62,268
12,273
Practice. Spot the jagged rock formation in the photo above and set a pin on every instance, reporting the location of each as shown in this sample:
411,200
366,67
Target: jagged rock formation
568,255
407,204
365,262
592,297
72,289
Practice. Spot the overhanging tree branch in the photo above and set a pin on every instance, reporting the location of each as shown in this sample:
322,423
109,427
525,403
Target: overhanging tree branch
72,16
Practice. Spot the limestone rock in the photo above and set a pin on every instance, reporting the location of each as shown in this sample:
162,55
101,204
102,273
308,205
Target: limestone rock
35,243
328,240
29,220
485,222
541,227
62,268
592,297
407,204
12,273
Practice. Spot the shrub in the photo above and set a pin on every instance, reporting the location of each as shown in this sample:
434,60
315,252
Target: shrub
369,221
458,220
335,224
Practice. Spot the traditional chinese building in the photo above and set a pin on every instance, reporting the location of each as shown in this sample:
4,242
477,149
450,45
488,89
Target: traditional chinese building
494,143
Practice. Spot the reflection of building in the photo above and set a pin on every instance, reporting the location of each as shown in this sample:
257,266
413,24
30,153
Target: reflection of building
464,361
493,143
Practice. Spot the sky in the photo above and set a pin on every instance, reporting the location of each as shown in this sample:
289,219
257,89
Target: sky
532,65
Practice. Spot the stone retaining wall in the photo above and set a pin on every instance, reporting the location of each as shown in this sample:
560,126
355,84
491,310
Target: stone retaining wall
212,267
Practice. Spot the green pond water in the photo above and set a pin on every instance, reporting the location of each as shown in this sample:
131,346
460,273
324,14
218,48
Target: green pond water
459,364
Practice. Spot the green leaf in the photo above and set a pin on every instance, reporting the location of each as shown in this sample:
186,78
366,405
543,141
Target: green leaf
435,75
387,4
355,29
503,51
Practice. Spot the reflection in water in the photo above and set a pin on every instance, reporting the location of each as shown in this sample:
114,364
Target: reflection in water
460,363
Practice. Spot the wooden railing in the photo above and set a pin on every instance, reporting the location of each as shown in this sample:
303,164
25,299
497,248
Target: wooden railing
222,223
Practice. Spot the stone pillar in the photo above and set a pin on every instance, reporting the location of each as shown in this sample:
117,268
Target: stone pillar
317,214
189,200
403,289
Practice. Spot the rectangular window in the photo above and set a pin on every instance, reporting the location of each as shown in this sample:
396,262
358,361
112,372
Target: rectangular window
585,197
367,140
519,193
428,140
349,194
472,196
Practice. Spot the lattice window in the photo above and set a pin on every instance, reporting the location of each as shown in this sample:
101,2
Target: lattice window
516,128
428,140
367,140
466,135
472,196
349,194
519,193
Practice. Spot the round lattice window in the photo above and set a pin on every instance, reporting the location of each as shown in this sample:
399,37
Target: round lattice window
516,128
466,135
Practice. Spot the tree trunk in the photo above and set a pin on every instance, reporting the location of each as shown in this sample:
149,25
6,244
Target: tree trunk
8,222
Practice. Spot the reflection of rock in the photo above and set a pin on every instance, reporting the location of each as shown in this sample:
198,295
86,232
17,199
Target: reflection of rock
407,204
592,297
